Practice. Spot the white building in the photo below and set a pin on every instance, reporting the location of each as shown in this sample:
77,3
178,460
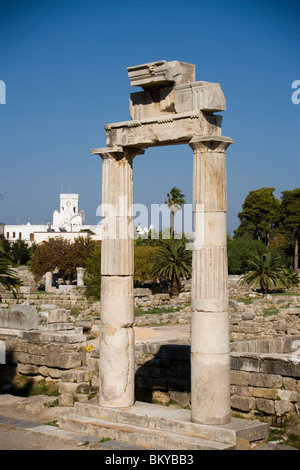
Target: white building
68,222
69,215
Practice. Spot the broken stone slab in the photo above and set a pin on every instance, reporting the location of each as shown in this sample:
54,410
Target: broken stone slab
38,336
77,375
161,73
53,315
57,326
204,96
20,317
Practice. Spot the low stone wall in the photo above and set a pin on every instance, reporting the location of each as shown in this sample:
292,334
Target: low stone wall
40,344
265,371
74,298
265,375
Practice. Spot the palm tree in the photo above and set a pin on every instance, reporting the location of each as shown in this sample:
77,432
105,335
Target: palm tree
172,262
174,202
266,271
8,278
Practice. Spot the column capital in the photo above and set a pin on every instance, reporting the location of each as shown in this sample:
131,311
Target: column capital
117,152
210,143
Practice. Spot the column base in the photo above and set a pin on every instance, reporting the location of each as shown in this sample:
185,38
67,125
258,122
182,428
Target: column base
212,420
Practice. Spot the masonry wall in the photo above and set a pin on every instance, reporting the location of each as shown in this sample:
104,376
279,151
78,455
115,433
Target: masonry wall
266,383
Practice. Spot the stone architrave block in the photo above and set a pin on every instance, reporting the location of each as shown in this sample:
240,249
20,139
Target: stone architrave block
22,317
156,102
199,95
161,73
167,129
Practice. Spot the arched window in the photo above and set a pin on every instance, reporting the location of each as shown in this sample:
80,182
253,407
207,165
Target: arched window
31,237
14,234
20,235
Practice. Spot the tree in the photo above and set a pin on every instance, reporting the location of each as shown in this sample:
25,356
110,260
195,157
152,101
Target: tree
259,216
20,252
238,251
76,256
62,255
8,278
175,200
265,271
92,275
290,219
49,256
172,262
143,259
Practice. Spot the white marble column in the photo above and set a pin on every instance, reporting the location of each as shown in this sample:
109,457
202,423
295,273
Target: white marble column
48,281
210,359
117,345
80,275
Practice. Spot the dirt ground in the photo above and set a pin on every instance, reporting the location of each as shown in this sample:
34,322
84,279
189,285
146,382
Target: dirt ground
19,420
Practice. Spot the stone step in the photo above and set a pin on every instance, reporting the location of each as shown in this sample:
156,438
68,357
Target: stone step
60,326
137,436
63,337
161,419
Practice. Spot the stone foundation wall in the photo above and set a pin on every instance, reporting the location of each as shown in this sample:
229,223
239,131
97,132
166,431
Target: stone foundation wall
42,344
264,371
265,383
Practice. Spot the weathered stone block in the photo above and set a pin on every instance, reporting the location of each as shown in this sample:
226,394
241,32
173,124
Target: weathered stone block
289,383
239,377
268,393
22,317
66,399
77,375
62,360
265,380
267,406
283,407
70,387
245,404
161,73
50,372
289,395
28,369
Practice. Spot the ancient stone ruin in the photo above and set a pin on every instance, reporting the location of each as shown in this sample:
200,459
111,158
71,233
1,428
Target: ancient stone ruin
206,373
173,108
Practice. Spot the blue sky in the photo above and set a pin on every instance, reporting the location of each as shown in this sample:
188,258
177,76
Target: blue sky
64,65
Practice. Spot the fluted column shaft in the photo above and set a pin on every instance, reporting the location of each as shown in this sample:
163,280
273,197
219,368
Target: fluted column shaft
117,345
210,360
